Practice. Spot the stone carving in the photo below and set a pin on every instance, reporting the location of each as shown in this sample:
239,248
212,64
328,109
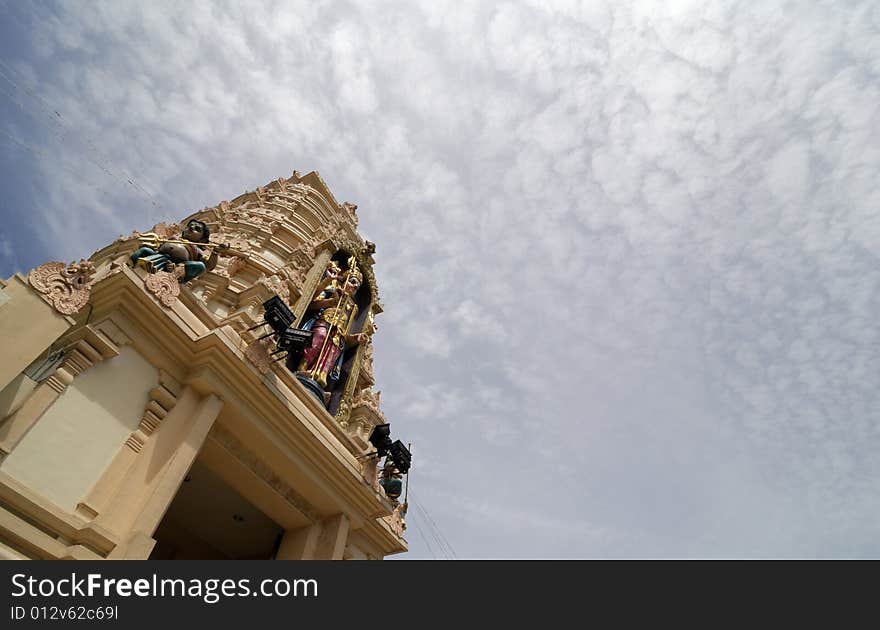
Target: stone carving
257,353
365,413
167,230
369,399
364,259
396,522
277,286
367,365
230,267
165,285
350,211
300,260
237,240
343,414
297,268
370,472
66,287
331,231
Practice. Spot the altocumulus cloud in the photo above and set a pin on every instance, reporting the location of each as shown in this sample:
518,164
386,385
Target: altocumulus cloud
628,251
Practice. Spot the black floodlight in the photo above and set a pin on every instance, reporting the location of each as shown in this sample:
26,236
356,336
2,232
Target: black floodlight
278,315
401,456
294,339
380,437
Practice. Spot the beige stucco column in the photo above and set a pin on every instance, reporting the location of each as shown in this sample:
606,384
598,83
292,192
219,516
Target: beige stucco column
320,541
161,401
141,498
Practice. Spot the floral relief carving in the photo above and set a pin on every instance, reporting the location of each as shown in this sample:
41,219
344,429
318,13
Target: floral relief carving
297,278
167,230
351,215
257,352
367,365
367,398
300,260
165,285
66,287
395,522
239,241
330,231
231,266
370,472
277,285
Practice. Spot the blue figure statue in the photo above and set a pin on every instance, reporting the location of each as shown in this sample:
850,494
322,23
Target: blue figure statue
186,251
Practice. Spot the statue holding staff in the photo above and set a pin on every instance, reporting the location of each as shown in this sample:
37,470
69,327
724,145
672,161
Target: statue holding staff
330,317
192,250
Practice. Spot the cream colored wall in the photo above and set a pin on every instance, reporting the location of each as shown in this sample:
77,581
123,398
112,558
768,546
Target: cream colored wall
66,451
29,326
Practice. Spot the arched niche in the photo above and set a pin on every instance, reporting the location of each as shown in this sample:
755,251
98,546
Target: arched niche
366,300
351,356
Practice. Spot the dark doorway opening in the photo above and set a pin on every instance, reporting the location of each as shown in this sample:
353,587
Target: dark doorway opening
209,520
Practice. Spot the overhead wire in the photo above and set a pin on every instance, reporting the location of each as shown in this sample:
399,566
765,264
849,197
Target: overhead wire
57,118
42,157
440,533
440,540
425,538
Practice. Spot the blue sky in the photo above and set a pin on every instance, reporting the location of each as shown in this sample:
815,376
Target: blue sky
628,251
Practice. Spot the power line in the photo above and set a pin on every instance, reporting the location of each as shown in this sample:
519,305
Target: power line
436,529
58,120
439,538
425,538
41,156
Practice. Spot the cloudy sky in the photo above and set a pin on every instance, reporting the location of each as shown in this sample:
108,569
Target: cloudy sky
628,252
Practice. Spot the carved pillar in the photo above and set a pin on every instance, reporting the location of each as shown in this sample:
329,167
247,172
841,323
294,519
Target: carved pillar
162,400
311,283
90,348
152,479
348,394
320,541
193,437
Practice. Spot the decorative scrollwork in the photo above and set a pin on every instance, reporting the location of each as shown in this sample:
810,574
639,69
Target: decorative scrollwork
66,287
367,398
165,285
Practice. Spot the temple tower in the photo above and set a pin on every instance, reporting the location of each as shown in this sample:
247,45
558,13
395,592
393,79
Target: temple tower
146,412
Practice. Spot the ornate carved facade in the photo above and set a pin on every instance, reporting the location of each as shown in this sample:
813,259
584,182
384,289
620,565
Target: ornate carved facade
189,399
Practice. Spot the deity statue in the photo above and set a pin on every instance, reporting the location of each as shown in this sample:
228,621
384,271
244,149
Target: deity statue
330,317
329,284
391,481
192,250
